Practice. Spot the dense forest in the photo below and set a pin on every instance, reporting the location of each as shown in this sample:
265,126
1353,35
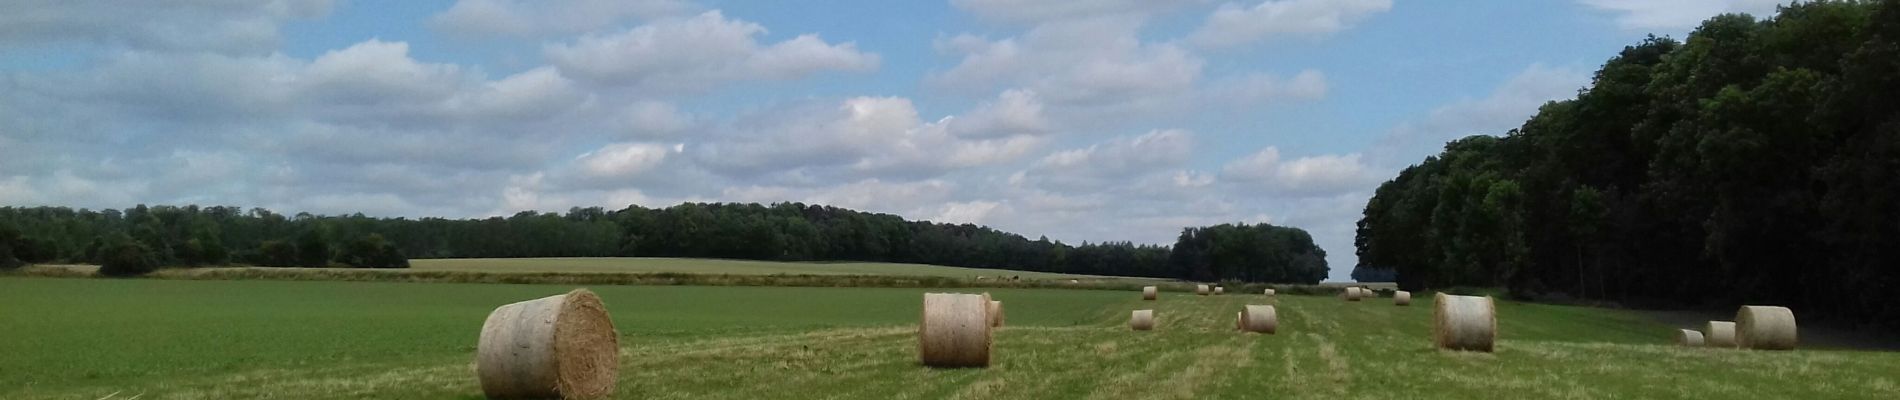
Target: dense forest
192,235
1756,162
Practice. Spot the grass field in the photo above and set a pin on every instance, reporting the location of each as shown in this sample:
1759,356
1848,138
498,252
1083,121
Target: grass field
99,338
715,266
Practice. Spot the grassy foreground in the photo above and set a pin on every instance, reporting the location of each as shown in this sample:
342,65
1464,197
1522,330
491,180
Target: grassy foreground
93,338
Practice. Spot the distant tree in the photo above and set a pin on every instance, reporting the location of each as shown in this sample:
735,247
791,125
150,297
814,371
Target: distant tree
35,250
372,251
8,256
313,248
95,250
276,253
7,260
1251,253
1364,274
128,258
1755,162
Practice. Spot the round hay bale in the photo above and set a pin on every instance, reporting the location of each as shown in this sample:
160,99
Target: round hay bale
1689,338
1150,292
1268,292
1259,319
553,347
1142,320
1467,323
1220,290
1765,328
1367,292
1401,298
996,313
1719,334
955,331
1202,290
1353,294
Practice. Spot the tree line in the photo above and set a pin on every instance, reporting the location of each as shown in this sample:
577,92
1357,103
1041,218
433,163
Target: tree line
1756,162
192,235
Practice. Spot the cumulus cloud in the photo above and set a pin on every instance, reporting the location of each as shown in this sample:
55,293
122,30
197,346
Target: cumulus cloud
537,191
367,120
970,212
1093,67
1322,175
1015,111
696,52
650,118
1037,10
376,73
547,17
1505,108
625,159
1678,14
218,26
1262,87
1234,24
1116,161
862,136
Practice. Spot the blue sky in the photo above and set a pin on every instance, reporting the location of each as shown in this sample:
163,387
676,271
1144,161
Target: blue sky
1091,120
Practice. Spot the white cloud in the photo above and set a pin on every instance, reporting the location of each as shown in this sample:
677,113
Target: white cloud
653,119
1040,10
1114,162
1082,70
537,93
1262,87
363,122
1677,14
701,51
1234,24
218,26
536,192
1507,107
862,136
1013,112
374,72
624,159
547,17
1322,175
1192,179
971,212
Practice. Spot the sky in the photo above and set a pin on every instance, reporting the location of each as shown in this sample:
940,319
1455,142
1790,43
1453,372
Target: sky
1088,120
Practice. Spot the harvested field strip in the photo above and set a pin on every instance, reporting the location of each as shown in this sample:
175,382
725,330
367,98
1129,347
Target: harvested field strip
805,343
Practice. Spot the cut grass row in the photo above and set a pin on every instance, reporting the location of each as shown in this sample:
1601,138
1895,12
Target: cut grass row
88,338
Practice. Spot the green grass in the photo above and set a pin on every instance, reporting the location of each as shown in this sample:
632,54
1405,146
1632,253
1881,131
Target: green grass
89,338
716,266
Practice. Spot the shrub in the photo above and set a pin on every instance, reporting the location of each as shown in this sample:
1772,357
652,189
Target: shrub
7,261
276,253
313,249
8,237
128,258
33,250
372,251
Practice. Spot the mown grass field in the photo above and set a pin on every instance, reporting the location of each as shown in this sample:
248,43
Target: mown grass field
98,338
716,266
